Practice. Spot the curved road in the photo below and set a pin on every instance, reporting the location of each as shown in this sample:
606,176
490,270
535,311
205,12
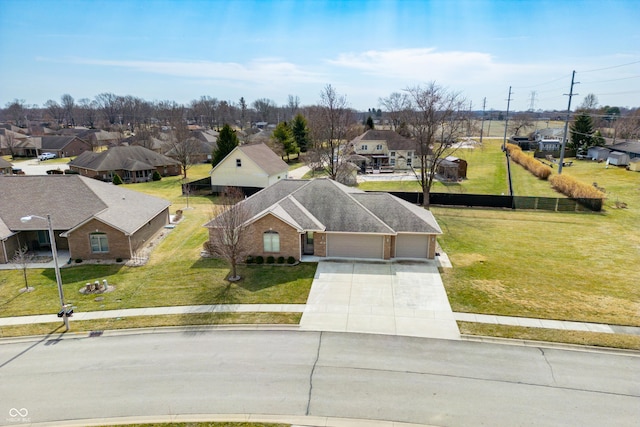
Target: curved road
427,381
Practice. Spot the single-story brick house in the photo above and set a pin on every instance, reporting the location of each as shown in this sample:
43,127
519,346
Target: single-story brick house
91,219
132,164
326,219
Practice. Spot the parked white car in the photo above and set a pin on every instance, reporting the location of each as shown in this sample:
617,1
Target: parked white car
46,156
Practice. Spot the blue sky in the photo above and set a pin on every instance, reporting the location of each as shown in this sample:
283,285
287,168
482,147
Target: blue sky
182,50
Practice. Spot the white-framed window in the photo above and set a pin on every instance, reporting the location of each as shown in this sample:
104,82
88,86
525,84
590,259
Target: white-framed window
99,243
271,241
392,161
364,147
392,154
238,163
379,147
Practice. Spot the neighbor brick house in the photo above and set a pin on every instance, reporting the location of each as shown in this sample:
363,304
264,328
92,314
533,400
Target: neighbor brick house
326,219
91,219
132,164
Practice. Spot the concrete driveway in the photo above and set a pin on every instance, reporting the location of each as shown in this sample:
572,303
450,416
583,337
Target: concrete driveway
381,298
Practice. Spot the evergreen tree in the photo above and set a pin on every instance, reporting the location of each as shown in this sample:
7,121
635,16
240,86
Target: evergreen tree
117,180
300,132
582,133
369,124
227,141
283,135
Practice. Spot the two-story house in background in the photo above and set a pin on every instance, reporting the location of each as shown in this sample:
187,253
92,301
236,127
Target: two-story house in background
385,151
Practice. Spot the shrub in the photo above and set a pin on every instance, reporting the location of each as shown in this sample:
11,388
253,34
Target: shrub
270,259
117,180
156,176
259,259
291,260
178,216
249,260
573,188
78,260
538,169
280,260
118,259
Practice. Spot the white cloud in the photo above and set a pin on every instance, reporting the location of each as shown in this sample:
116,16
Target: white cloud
257,71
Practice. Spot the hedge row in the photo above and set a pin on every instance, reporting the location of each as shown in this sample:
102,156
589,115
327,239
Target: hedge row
538,169
269,260
573,188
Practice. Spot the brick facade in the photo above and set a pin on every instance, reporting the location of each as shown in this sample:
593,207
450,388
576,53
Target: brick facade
290,242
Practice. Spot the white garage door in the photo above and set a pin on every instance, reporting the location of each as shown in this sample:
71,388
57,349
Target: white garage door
412,246
354,246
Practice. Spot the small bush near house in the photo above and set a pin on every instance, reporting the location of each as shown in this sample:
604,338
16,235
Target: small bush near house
78,260
270,259
178,216
291,260
280,260
249,260
117,180
259,260
118,259
156,176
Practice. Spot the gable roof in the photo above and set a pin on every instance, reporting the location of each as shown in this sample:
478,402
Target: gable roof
122,158
627,147
5,164
72,200
261,155
394,140
324,204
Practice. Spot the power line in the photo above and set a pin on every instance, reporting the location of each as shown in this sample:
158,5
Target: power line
609,68
612,80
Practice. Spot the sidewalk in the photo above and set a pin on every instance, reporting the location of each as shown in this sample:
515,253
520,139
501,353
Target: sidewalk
299,308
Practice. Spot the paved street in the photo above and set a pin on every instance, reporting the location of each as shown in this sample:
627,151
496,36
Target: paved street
286,373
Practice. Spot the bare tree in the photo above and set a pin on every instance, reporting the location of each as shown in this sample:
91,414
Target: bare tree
182,146
228,234
396,106
22,258
264,107
88,112
519,122
293,104
56,112
11,142
111,106
436,120
330,123
67,103
16,111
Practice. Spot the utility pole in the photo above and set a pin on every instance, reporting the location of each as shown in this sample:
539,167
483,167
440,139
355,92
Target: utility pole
484,104
506,122
566,122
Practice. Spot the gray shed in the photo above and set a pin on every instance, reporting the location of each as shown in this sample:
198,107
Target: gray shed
618,159
598,153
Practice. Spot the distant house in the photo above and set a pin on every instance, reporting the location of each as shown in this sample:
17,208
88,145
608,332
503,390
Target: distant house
132,164
598,153
326,219
384,150
12,141
452,168
61,146
90,219
549,145
618,159
5,167
524,142
250,165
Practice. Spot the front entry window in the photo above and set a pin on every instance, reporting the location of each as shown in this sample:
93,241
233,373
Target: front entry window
271,240
99,243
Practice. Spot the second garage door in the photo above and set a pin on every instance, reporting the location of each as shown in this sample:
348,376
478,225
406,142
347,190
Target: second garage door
412,246
354,246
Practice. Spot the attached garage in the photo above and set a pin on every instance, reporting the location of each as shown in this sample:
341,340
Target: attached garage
355,246
412,246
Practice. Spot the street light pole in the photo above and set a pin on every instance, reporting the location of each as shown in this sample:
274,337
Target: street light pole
54,252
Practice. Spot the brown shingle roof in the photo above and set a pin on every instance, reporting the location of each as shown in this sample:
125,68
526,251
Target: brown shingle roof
264,157
121,158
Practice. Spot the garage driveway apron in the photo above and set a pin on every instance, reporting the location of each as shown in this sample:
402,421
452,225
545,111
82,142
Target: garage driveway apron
392,298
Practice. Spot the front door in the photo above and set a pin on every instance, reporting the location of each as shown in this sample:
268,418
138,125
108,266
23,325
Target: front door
307,243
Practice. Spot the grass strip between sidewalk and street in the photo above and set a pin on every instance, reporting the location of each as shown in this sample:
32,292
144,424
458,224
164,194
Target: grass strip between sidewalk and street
133,322
211,424
595,339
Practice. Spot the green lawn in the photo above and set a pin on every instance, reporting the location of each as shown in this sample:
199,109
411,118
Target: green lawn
175,274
